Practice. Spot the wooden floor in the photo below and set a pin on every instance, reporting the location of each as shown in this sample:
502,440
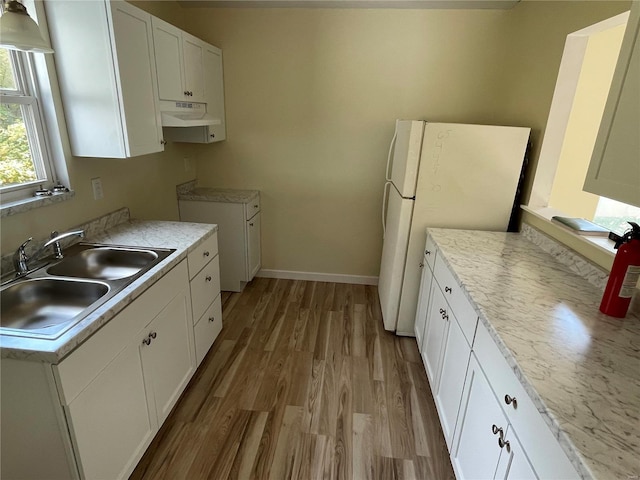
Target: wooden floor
303,382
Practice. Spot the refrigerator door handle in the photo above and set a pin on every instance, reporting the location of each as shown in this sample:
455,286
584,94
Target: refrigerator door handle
391,145
387,186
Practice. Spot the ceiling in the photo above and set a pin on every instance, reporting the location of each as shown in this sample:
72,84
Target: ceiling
439,4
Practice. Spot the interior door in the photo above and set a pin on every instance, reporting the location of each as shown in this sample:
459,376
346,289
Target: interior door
394,254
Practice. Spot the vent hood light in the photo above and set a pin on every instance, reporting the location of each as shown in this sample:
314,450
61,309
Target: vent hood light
176,119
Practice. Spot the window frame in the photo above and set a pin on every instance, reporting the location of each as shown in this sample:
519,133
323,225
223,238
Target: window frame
26,94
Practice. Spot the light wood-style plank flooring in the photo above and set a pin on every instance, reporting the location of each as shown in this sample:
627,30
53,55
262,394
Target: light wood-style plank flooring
303,383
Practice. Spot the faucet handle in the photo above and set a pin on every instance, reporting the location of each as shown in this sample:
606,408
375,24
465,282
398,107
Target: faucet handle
23,246
54,234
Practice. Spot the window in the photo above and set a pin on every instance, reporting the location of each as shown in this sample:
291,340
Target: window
33,150
582,88
24,161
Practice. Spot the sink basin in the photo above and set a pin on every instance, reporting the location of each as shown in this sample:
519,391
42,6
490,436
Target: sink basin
47,305
104,263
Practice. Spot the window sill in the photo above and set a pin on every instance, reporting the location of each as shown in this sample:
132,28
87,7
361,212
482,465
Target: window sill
21,206
595,248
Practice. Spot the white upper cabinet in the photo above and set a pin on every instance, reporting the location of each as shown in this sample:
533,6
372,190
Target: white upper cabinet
179,60
214,90
614,171
104,59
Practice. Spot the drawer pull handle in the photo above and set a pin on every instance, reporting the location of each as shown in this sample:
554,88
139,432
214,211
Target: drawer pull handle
444,315
256,206
421,264
205,254
212,319
442,310
447,289
502,444
497,430
146,341
251,224
508,399
208,278
427,252
153,335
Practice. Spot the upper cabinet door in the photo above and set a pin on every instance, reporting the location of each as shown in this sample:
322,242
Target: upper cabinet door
614,171
107,76
214,90
169,60
133,40
192,49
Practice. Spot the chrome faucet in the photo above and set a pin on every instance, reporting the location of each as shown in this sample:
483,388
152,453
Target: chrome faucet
20,258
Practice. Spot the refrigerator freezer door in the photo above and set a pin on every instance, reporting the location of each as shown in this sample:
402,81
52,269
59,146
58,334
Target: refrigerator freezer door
394,253
468,180
406,156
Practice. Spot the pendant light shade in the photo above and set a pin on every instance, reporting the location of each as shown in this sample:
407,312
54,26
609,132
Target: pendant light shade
18,31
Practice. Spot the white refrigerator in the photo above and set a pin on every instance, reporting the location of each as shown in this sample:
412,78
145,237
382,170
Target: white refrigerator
441,175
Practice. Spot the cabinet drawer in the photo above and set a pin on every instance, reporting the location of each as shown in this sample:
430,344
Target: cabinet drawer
252,207
430,250
462,308
83,364
202,254
208,328
541,446
205,287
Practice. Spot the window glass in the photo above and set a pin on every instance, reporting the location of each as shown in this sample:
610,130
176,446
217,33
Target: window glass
7,77
16,162
614,215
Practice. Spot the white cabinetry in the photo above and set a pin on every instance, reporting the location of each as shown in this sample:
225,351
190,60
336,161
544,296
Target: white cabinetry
446,346
93,415
490,424
179,61
422,311
204,275
104,59
238,235
119,386
614,171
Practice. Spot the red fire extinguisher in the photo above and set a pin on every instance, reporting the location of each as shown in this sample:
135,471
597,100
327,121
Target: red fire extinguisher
624,274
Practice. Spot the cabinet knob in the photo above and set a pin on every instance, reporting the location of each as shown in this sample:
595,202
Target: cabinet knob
186,93
213,135
497,430
447,289
251,224
256,206
205,254
421,264
208,278
509,400
427,252
502,444
163,141
212,319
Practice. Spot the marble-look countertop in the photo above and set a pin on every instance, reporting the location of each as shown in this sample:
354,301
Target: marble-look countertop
182,236
223,195
580,367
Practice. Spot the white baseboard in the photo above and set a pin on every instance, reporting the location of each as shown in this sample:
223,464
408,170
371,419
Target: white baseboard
318,277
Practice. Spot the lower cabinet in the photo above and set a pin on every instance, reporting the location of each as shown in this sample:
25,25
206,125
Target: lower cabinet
480,438
490,424
239,225
120,409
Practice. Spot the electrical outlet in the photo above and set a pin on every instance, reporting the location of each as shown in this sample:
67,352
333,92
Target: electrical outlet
96,184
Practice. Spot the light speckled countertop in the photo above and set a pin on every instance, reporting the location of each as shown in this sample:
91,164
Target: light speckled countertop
182,236
224,195
580,367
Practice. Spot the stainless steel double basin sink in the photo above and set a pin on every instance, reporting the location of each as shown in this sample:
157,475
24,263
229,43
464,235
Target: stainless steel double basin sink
50,300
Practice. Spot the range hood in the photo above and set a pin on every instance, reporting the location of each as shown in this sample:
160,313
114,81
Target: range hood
175,119
186,114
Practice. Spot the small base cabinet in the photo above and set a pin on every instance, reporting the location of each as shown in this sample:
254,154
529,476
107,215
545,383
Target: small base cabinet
239,236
